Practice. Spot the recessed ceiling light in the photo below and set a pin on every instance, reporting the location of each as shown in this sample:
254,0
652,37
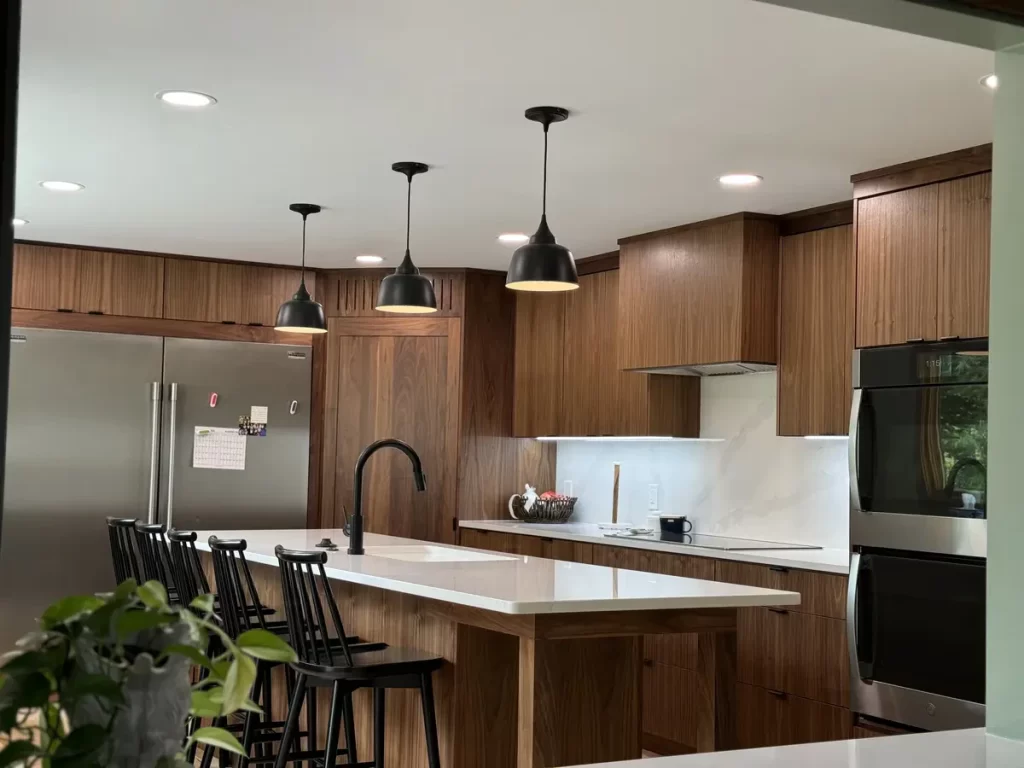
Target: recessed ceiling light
513,238
192,99
61,186
19,222
739,180
990,81
369,258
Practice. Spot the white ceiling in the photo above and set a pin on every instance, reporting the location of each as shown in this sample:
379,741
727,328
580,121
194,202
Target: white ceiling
319,97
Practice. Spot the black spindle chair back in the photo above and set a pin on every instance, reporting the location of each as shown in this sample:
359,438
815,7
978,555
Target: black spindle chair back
122,548
151,539
306,592
186,567
240,606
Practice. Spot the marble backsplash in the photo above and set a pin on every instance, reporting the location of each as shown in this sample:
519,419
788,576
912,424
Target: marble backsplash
748,483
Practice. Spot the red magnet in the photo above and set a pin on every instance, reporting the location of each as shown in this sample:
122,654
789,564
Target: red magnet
213,399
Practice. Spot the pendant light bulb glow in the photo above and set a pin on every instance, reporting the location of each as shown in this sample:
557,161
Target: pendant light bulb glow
542,264
406,291
300,314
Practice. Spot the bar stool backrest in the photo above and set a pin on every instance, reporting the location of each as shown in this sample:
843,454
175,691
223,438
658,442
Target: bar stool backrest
186,567
240,605
122,548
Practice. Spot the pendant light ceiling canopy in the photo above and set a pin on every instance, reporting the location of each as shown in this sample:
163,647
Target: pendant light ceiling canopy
542,264
407,291
300,314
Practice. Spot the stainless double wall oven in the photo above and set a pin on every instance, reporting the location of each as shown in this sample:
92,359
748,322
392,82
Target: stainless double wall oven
916,601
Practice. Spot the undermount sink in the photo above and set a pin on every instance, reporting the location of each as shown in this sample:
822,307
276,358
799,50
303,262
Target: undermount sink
427,553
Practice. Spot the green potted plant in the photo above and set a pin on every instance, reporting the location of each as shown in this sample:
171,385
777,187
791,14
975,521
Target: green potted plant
105,681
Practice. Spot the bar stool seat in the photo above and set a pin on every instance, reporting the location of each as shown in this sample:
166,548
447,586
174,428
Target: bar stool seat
370,666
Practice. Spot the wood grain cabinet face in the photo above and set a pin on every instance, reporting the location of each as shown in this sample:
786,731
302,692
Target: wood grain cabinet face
965,216
771,719
207,291
539,345
822,594
675,705
45,278
125,284
816,288
897,267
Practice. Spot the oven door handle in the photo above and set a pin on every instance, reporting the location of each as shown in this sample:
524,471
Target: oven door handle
862,656
858,399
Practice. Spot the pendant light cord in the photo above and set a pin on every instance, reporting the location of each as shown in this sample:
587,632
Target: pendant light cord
544,194
302,279
408,214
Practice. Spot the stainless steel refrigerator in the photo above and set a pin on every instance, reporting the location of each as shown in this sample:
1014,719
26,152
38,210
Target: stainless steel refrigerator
106,425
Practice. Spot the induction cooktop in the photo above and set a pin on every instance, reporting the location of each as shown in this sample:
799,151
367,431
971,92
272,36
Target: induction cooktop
708,541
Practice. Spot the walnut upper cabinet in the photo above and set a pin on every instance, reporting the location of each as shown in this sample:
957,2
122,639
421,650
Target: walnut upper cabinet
923,262
567,380
78,280
700,294
220,292
816,295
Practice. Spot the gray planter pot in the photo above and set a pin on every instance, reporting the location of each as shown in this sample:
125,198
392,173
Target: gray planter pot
151,725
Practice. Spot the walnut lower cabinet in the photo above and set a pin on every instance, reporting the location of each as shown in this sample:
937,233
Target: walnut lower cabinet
793,679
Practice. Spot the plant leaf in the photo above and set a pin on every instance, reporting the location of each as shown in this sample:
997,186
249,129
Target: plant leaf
153,594
219,738
136,621
241,676
219,669
101,686
17,752
194,655
68,608
203,706
84,741
25,692
203,603
125,589
251,706
261,644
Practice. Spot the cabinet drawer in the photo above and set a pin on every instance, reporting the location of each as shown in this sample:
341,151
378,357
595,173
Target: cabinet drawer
496,542
675,706
570,551
771,719
823,594
795,653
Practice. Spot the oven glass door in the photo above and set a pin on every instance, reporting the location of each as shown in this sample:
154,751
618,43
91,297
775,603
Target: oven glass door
919,623
922,450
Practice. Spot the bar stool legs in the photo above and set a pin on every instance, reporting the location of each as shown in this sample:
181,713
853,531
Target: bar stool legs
429,721
378,726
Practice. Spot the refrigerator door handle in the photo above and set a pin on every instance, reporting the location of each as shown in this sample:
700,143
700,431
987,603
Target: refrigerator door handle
156,394
170,450
855,408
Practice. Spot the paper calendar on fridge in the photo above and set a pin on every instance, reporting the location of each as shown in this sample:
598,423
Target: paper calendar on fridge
218,448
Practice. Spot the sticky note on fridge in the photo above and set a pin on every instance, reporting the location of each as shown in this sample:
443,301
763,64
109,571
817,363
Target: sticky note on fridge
258,414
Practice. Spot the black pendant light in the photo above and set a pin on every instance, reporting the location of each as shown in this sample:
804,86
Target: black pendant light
542,264
407,291
300,314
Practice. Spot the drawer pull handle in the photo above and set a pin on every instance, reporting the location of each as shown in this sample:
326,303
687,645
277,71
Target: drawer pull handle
948,338
916,340
781,611
778,694
778,568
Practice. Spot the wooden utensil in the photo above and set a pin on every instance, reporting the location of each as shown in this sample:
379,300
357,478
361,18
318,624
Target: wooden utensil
615,495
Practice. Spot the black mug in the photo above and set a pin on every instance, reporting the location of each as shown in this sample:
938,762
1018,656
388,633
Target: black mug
677,525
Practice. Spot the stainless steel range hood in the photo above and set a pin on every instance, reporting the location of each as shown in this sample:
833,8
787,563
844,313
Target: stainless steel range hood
711,369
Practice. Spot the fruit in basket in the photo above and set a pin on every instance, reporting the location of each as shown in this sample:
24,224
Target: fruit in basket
550,495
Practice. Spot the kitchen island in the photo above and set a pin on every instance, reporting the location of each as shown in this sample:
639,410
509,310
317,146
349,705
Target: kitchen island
544,657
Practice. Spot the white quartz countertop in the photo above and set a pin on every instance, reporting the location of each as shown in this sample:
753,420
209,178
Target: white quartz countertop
510,584
824,560
947,749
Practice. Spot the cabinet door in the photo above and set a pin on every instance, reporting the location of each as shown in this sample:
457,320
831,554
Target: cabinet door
125,284
392,378
591,379
45,278
676,707
540,324
816,332
618,557
965,219
571,551
264,289
773,719
206,291
897,267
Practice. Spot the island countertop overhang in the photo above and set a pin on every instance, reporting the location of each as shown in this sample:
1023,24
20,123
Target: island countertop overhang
506,584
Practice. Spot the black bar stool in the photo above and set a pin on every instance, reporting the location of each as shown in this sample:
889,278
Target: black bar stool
151,540
121,531
326,658
186,567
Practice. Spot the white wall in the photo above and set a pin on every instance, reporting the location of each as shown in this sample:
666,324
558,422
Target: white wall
750,484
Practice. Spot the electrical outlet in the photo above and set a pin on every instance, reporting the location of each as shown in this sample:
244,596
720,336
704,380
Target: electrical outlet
652,497
567,487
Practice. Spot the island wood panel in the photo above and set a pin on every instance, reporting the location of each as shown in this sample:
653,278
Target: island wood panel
492,464
897,269
45,278
964,242
823,594
678,709
206,291
539,364
816,297
676,650
702,293
393,378
125,284
772,719
797,653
